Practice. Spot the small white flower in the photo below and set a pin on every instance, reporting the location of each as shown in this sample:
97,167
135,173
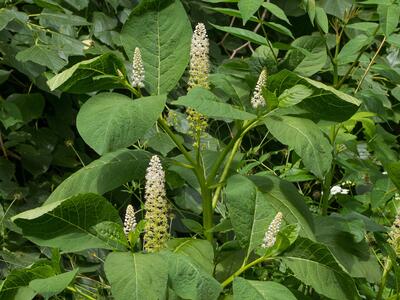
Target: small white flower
337,189
130,220
137,69
273,229
258,99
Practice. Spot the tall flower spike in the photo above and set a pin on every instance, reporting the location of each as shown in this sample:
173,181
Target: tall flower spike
394,235
156,206
130,220
137,69
199,64
273,229
258,99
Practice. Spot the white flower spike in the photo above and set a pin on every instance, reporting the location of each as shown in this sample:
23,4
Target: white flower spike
199,61
273,229
258,99
137,70
130,220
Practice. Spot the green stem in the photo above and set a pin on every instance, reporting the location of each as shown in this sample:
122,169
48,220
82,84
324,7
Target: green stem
242,269
386,269
72,289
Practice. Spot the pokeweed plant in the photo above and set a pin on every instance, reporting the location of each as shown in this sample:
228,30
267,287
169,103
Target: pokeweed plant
262,177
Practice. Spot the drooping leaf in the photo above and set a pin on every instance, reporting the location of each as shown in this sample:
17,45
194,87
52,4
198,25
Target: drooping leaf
53,285
18,280
294,95
322,19
209,105
306,139
276,11
189,281
161,29
351,49
111,121
136,276
260,290
103,175
248,8
30,105
42,55
73,224
99,73
326,103
314,264
244,34
388,17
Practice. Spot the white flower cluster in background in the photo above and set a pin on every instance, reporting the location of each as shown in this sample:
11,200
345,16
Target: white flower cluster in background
363,151
273,229
258,99
199,63
137,69
337,189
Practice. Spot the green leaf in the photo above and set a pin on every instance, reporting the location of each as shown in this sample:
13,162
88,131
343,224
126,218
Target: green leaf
322,19
4,74
306,139
136,276
314,264
73,224
243,34
351,49
388,17
326,103
30,105
279,28
42,55
190,281
294,95
54,19
103,175
6,16
249,211
54,285
161,29
284,197
248,8
276,11
110,121
200,252
208,104
260,290
10,114
393,170
86,76
18,280
336,8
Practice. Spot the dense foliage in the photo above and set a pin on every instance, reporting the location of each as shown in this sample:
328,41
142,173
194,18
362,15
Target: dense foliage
215,149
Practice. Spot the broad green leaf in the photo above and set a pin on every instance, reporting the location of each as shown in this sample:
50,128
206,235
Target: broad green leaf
200,251
6,16
279,28
54,285
136,276
336,8
189,281
18,280
305,137
276,11
260,290
294,95
161,29
53,19
10,114
314,264
283,196
110,121
243,34
308,56
322,19
393,170
351,49
388,17
103,175
209,105
90,75
326,103
30,105
248,8
42,55
249,210
73,224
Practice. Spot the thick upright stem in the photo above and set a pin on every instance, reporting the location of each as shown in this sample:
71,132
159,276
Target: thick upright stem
386,269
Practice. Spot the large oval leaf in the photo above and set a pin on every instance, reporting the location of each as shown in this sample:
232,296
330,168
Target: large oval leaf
137,276
260,290
111,121
305,137
315,265
103,175
77,223
162,30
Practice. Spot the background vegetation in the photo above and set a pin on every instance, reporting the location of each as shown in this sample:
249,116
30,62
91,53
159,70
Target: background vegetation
76,138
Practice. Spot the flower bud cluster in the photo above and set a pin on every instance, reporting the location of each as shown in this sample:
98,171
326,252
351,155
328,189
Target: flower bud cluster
258,99
130,220
273,229
394,235
156,206
197,124
137,70
199,63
